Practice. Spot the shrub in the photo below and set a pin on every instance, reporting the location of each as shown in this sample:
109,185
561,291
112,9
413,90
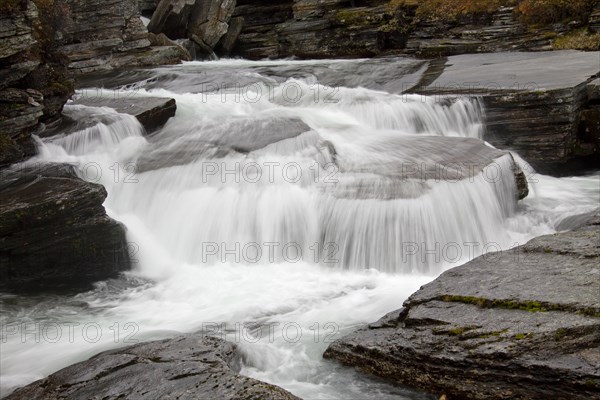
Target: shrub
551,11
450,10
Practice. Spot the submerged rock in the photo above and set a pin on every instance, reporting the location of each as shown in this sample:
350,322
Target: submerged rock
520,324
152,112
186,367
54,231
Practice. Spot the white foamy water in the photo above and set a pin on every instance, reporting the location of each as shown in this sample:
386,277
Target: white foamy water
290,215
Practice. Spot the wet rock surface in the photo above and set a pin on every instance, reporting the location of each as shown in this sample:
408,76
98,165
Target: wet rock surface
342,28
152,112
101,35
187,367
532,106
33,84
521,324
54,231
204,22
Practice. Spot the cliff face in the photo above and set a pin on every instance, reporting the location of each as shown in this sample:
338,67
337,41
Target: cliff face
101,35
316,29
257,29
44,43
33,82
342,28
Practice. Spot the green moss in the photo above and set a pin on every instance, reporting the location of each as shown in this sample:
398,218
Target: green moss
457,331
492,334
520,336
560,334
357,17
530,306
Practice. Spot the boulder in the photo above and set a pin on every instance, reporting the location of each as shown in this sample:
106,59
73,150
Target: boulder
152,112
520,324
186,367
203,21
162,40
54,231
227,42
209,20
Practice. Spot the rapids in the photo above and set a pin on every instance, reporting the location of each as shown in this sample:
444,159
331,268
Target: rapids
270,210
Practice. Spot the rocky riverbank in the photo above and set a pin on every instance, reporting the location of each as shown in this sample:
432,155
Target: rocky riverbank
343,28
187,367
521,324
44,44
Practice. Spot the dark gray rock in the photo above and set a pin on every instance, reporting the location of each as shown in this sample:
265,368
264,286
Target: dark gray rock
417,164
33,85
20,111
532,106
209,20
491,32
227,42
54,231
147,7
342,28
315,29
152,112
203,21
521,324
186,367
162,40
171,18
102,35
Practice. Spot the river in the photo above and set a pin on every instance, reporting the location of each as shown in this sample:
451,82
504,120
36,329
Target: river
269,210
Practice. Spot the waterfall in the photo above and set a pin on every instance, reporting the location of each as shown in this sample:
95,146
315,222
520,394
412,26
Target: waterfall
309,193
311,181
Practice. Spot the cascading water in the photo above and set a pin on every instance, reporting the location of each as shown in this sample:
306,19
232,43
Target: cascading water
283,204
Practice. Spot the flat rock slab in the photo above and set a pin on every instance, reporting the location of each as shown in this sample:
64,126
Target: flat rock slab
520,324
54,231
533,101
152,112
186,367
527,71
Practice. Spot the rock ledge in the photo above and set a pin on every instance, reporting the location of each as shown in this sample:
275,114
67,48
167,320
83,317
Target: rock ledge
521,324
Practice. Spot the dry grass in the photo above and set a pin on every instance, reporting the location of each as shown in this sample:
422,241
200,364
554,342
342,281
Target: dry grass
580,39
533,12
454,9
550,11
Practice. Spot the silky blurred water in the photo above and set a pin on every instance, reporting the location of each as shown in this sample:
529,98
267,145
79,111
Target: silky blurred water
280,214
